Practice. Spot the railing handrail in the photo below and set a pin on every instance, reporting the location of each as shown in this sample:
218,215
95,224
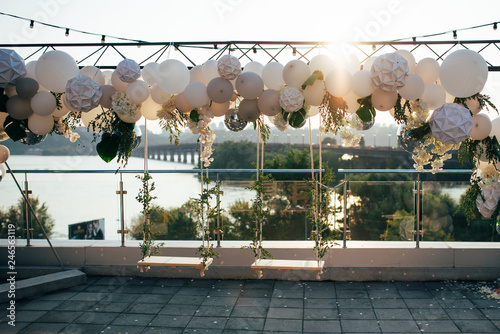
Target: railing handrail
410,171
165,171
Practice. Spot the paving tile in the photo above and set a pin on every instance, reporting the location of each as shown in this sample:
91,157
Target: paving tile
360,326
203,330
401,286
256,293
117,297
176,321
478,326
186,300
287,302
230,284
133,289
262,302
465,314
120,329
319,293
356,313
101,318
82,329
349,285
59,316
258,284
422,303
36,305
352,294
288,293
62,295
283,325
320,314
220,301
320,303
27,316
173,282
152,298
288,285
140,281
43,328
245,324
455,303
416,294
213,311
398,326
162,330
5,328
383,293
429,314
492,313
486,303
353,303
111,280
225,292
200,283
88,296
284,313
207,322
380,285
101,288
393,313
174,309
249,312
193,291
438,326
321,326
163,290
110,307
130,319
388,303
238,331
144,308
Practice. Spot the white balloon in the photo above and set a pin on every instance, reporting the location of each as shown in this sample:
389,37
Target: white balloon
30,69
367,66
219,109
409,58
321,63
4,154
130,117
196,74
148,73
254,67
158,95
315,93
495,128
269,102
43,103
249,85
482,127
362,83
209,70
95,74
313,111
434,95
54,68
272,74
172,76
351,100
350,63
119,85
196,95
428,70
339,82
107,75
87,117
137,91
107,96
463,73
149,109
413,89
295,73
40,125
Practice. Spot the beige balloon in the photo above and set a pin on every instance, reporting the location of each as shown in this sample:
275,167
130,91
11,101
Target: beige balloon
482,127
219,109
384,101
117,83
269,102
149,109
248,110
40,125
181,104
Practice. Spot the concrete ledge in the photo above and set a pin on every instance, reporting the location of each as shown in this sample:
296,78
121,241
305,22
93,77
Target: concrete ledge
42,284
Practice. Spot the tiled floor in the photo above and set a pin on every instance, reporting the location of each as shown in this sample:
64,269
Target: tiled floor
151,305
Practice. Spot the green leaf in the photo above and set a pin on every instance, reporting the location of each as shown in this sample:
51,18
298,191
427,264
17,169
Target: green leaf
365,113
107,148
14,128
297,119
317,75
194,116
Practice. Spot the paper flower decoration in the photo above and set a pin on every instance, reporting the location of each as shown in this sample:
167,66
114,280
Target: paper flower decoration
229,67
491,197
83,93
451,123
12,68
128,70
389,72
291,99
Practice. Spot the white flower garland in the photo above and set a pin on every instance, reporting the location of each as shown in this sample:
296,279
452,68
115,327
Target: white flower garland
63,128
123,106
207,137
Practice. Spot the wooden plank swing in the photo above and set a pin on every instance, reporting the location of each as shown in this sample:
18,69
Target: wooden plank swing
171,261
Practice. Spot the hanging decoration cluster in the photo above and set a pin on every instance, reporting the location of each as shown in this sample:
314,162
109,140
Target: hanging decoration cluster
438,106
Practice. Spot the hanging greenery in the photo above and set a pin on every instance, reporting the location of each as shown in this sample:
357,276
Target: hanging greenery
333,112
172,120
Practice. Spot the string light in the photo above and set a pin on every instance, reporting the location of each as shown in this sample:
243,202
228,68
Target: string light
455,34
374,47
254,50
32,24
294,52
67,32
103,39
495,26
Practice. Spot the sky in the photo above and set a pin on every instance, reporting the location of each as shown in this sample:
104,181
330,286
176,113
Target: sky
255,20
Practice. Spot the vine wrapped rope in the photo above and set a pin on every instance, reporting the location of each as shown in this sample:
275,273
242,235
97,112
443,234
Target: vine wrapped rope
145,171
259,226
315,192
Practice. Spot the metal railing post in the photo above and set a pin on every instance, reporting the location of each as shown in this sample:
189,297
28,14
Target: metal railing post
218,211
27,213
418,211
344,237
122,230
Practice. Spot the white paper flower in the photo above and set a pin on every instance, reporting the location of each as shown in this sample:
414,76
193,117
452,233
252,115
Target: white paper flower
389,72
83,93
12,68
451,123
291,99
128,70
491,197
229,67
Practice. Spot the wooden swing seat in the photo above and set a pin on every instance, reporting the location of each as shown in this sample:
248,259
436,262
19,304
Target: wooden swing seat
288,265
174,262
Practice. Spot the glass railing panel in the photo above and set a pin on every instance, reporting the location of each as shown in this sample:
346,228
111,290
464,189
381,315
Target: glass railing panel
443,221
381,210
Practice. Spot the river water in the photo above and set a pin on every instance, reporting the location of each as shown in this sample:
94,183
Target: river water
79,197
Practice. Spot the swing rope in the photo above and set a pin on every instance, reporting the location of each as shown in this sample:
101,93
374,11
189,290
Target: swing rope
258,224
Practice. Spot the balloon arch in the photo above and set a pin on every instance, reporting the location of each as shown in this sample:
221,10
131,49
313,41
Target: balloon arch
437,100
